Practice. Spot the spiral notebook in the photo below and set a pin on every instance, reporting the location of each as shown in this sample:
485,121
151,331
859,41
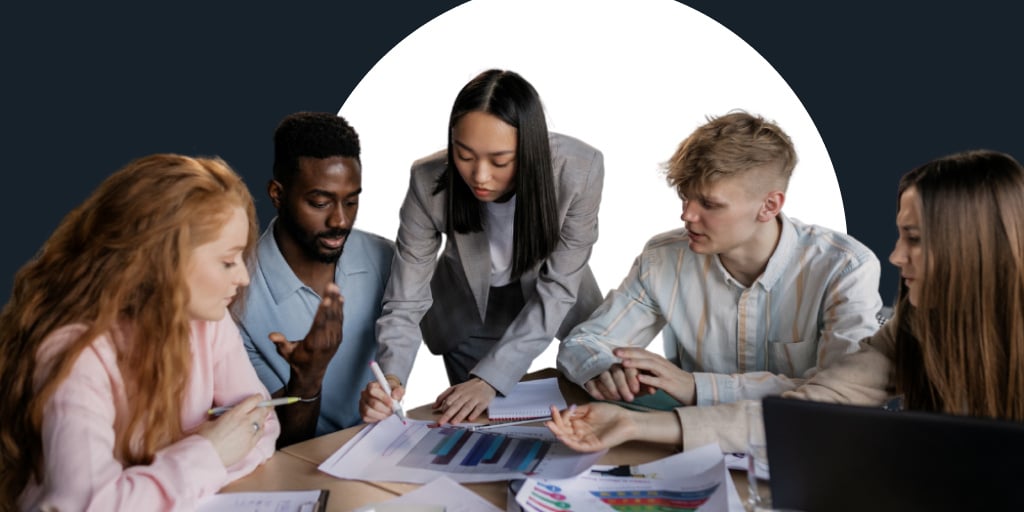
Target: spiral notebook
529,399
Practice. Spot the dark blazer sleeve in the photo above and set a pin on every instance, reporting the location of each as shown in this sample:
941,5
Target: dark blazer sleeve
579,175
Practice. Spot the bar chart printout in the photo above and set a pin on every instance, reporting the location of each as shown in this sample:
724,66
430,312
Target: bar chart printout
457,450
417,452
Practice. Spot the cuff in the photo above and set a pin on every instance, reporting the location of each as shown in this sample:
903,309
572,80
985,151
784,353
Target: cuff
714,389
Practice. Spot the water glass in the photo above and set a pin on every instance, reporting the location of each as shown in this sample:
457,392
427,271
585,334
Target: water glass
757,456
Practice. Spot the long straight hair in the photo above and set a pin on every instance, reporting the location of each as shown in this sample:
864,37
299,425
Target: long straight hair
510,98
115,264
960,350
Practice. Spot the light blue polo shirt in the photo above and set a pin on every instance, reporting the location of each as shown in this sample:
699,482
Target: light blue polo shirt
278,301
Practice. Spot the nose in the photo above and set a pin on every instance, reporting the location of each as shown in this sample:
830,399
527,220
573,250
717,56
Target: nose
338,218
481,173
242,278
689,212
898,256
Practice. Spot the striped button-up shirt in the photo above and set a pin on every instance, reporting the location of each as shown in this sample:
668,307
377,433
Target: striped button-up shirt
816,299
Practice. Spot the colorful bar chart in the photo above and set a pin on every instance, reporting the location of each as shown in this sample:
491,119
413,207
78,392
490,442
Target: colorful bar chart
458,450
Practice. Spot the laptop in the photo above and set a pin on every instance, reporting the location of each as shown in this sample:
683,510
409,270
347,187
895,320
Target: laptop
842,457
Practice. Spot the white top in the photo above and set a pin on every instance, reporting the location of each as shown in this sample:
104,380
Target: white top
498,224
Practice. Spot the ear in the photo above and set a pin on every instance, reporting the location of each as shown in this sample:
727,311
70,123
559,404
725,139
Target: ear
275,190
772,206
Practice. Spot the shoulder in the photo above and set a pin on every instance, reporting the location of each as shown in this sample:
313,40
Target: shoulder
831,244
570,149
92,364
429,166
670,241
375,246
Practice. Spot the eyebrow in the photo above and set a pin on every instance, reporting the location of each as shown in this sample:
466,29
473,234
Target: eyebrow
321,192
496,153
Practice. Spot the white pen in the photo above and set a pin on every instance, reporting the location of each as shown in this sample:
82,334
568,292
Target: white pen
217,411
395,406
572,410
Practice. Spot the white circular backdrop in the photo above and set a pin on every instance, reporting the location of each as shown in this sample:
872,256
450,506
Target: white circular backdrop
632,78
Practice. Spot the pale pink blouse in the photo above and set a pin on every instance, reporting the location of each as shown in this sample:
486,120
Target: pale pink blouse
82,472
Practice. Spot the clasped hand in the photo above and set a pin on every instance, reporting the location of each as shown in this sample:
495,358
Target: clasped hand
642,372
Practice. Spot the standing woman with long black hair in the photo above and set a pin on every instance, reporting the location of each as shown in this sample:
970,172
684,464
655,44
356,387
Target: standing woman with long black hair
517,207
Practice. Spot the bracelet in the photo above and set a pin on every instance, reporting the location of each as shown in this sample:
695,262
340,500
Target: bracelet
313,398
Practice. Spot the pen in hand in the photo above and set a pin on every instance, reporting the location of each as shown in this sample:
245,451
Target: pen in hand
395,406
217,411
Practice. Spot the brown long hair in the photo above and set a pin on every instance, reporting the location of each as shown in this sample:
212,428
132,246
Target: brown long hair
118,259
960,350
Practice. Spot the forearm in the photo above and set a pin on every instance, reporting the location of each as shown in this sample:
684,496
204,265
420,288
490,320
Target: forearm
299,420
722,388
661,427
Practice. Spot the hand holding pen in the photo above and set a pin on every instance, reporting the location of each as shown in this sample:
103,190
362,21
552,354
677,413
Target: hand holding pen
382,397
235,432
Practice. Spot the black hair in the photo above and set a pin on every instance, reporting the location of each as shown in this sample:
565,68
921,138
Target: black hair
509,97
311,134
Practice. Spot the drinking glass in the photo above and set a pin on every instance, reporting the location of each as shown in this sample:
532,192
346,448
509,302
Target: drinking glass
757,456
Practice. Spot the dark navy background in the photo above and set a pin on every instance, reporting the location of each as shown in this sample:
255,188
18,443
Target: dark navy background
87,89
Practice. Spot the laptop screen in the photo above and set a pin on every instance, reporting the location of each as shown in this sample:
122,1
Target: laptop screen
841,457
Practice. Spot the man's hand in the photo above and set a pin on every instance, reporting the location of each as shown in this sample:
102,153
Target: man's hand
310,356
464,401
657,372
615,383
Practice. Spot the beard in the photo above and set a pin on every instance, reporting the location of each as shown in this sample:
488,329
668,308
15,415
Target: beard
310,242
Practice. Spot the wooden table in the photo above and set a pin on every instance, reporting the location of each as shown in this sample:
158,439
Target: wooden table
295,467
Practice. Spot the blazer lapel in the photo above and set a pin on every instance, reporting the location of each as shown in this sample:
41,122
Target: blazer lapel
475,255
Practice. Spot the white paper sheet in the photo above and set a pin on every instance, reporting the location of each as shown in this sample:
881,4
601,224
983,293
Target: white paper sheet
443,492
273,501
415,453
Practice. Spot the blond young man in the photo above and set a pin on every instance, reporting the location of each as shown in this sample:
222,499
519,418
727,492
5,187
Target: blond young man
749,301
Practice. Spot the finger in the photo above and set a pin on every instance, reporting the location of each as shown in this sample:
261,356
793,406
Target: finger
284,347
440,402
619,377
631,380
478,409
607,385
463,412
451,407
591,388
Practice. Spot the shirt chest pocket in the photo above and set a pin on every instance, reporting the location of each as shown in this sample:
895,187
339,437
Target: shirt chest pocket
792,358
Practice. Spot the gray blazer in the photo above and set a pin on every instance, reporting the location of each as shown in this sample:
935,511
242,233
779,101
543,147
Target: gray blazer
559,292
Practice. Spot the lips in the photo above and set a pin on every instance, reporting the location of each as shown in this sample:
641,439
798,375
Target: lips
481,192
332,242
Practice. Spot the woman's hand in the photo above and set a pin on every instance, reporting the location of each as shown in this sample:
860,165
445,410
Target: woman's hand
593,427
375,405
236,432
464,401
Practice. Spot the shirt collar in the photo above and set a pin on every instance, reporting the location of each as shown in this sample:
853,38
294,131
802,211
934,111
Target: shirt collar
282,281
780,259
777,262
